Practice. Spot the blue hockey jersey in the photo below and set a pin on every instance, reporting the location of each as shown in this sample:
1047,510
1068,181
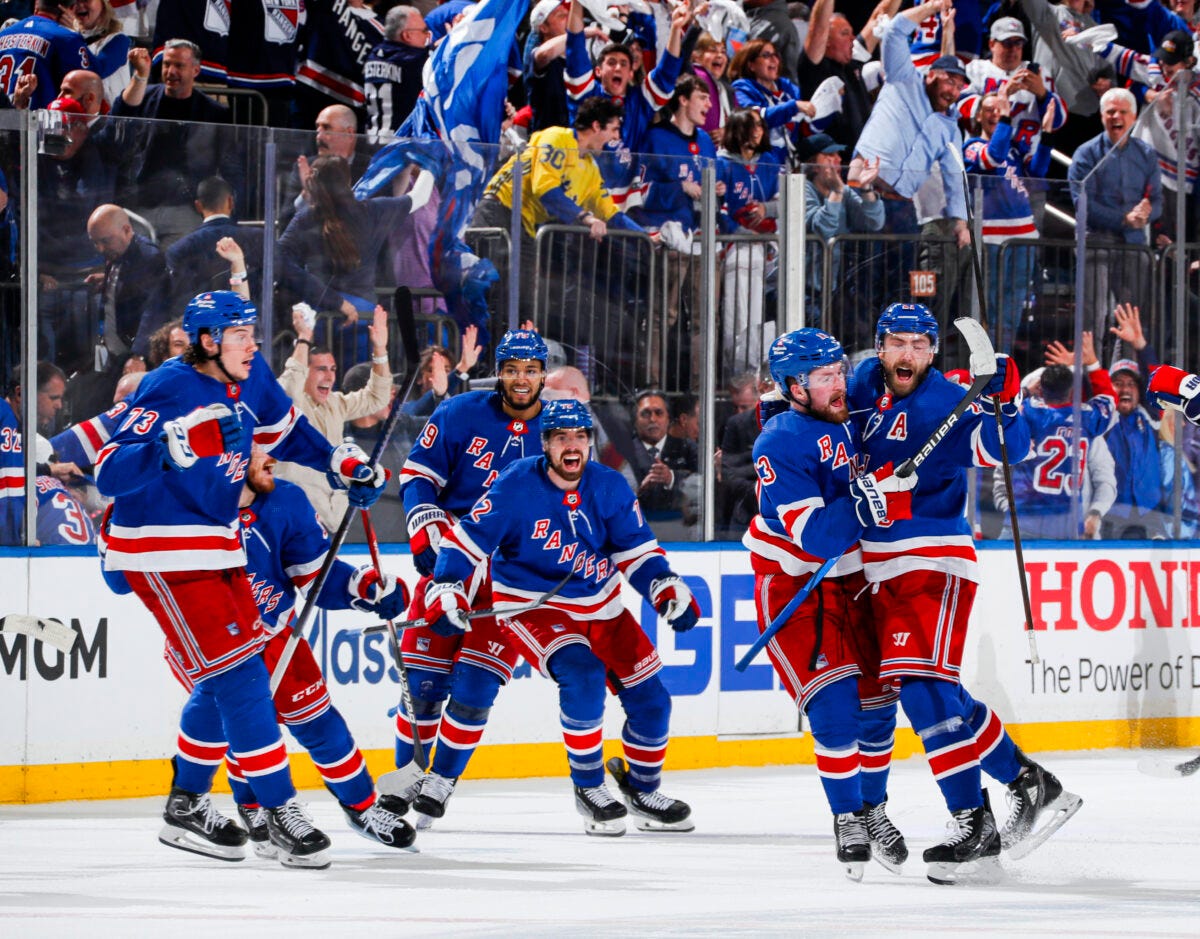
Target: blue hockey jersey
164,520
1044,485
806,513
618,163
535,534
61,518
938,537
673,158
285,548
264,43
1006,209
340,37
12,477
81,443
204,22
467,441
39,46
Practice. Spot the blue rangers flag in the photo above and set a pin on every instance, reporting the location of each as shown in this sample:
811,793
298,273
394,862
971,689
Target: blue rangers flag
453,131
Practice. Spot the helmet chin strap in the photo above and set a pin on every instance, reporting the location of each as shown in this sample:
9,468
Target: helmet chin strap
217,358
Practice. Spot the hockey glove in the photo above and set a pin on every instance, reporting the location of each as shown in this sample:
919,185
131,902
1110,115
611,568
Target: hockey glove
674,602
208,431
1004,388
882,497
769,406
350,469
1172,387
446,609
427,526
386,597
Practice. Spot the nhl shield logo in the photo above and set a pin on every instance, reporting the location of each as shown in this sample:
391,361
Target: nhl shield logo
571,500
517,428
282,20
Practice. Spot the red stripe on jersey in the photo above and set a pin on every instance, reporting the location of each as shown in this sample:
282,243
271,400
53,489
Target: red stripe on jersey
233,769
458,736
966,552
577,86
174,543
583,740
989,735
875,761
92,430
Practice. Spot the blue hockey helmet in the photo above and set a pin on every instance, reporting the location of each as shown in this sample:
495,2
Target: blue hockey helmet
521,344
565,413
907,318
216,311
795,354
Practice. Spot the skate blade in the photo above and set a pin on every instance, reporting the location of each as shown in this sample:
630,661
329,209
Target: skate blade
1168,767
401,782
854,870
410,847
424,822
266,850
985,870
185,840
886,863
1056,814
315,862
613,829
642,823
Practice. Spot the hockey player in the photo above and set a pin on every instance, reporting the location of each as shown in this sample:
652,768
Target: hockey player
923,574
815,499
285,547
42,47
467,441
175,469
558,514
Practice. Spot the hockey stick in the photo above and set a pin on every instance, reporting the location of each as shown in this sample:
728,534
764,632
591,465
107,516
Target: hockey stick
479,614
408,333
51,631
1006,466
406,698
1168,767
983,366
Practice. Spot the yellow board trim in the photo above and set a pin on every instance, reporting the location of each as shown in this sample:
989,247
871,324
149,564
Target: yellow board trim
125,779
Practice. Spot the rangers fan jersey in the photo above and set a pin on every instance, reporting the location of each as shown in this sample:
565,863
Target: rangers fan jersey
806,513
12,477
285,548
467,441
938,537
204,22
61,518
1044,485
1006,209
81,443
164,520
640,104
340,37
1027,111
41,47
264,43
536,534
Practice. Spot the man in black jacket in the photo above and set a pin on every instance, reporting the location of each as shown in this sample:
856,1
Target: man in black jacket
657,464
167,161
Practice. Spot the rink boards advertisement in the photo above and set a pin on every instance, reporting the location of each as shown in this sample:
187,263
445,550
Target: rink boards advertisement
1116,667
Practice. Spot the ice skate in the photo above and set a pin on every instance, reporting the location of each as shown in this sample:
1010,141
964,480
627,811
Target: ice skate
971,853
652,811
1165,767
299,842
1037,807
382,822
430,802
255,820
853,844
192,823
403,783
887,843
602,813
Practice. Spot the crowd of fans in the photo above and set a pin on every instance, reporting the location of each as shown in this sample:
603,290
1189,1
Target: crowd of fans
622,108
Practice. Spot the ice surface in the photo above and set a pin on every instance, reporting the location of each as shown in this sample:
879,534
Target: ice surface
510,859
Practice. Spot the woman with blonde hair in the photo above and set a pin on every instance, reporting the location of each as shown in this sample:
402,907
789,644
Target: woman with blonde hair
108,46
